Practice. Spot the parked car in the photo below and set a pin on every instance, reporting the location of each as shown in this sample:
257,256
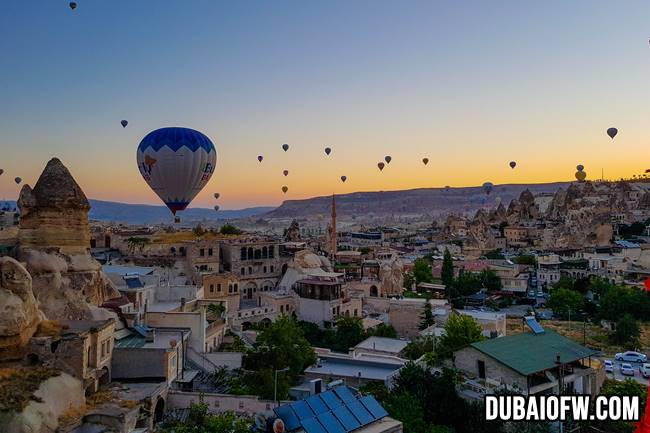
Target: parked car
645,370
631,356
609,366
627,370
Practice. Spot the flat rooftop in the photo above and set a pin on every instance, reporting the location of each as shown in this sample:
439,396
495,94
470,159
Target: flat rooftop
383,344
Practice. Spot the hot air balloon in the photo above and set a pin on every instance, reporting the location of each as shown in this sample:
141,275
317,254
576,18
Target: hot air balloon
425,161
124,123
1,171
176,163
217,195
646,284
580,167
286,172
344,178
487,187
285,147
512,164
73,5
581,176
285,189
447,187
260,158
612,132
328,151
18,180
216,208
380,165
388,159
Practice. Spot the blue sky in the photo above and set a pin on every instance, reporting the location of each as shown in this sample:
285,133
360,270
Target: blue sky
469,84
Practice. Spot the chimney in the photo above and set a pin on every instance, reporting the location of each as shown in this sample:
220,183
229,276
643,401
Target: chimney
182,304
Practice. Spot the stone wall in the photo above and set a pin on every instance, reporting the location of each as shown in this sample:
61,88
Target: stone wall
466,360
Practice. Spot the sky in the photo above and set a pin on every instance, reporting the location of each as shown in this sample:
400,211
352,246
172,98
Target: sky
471,85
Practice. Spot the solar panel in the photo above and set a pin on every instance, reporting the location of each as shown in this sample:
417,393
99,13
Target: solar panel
330,399
317,405
534,325
302,409
286,414
346,418
344,393
373,406
330,423
311,425
360,412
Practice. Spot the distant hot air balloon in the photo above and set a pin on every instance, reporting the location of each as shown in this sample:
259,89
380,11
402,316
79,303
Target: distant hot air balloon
124,123
647,170
285,147
581,176
217,195
260,158
487,187
447,187
612,132
18,180
425,161
216,208
344,178
580,167
646,284
176,163
286,172
285,189
328,150
388,159
73,5
380,165
512,164
1,171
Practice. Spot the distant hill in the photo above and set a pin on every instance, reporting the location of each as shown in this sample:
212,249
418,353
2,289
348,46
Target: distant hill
431,201
142,214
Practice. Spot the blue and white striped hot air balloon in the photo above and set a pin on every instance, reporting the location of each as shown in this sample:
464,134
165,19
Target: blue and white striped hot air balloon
176,163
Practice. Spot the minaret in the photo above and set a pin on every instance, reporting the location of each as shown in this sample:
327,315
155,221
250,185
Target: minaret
333,246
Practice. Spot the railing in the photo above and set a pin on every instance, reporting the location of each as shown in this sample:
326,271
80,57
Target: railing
200,360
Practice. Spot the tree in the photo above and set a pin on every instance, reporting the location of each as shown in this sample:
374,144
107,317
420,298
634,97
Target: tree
494,255
200,420
427,316
282,344
447,272
526,259
382,330
409,281
627,332
349,332
422,271
418,347
406,408
565,302
490,280
229,229
468,283
216,310
198,230
460,331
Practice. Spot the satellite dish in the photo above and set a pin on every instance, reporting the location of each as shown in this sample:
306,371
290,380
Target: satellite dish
278,426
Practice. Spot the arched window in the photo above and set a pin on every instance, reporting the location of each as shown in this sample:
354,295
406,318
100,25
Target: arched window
258,254
243,254
250,270
235,288
271,251
243,271
265,269
264,252
250,254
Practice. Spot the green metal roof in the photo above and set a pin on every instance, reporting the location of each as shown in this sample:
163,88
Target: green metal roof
528,353
132,342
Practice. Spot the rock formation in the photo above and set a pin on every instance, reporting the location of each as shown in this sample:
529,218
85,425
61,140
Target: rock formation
54,242
293,232
391,274
19,313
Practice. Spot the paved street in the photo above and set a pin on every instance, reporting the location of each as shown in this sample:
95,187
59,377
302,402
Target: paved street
617,372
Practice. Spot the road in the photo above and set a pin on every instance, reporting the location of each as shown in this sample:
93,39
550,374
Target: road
618,376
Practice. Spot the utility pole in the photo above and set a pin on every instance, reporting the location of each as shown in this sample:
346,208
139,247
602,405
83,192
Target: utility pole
275,385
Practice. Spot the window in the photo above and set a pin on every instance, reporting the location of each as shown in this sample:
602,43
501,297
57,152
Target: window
229,288
271,268
243,271
265,269
250,270
481,369
271,251
218,287
281,308
210,251
243,254
211,288
258,254
264,252
202,252
250,253
236,288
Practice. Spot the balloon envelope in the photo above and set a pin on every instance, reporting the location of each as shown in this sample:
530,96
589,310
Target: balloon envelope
285,147
176,163
1,171
612,132
388,159
285,189
285,172
581,176
425,161
260,158
217,195
124,123
216,208
380,165
487,187
646,284
73,5
344,178
328,150
18,180
580,167
512,164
